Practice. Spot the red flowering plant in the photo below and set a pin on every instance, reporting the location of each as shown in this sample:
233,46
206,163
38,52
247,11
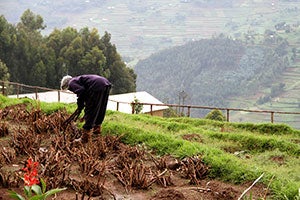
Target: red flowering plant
32,190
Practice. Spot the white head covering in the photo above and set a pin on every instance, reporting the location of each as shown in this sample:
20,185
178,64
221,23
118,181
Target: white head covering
64,84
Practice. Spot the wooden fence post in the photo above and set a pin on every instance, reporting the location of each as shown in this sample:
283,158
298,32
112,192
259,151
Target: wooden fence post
227,118
3,92
272,117
36,93
189,111
58,95
151,109
132,107
18,90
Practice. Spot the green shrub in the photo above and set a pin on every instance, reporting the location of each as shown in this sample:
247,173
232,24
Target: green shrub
215,115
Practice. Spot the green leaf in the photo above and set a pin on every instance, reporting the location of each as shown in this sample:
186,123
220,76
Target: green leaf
15,195
53,191
27,191
37,189
43,185
38,197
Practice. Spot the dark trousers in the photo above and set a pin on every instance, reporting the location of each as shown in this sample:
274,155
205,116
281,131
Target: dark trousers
95,108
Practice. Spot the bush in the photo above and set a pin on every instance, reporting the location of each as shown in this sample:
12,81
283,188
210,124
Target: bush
215,115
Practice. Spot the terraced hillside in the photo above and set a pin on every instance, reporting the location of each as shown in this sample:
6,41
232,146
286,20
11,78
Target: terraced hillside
288,100
140,28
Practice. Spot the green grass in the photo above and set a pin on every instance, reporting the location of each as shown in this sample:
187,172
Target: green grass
234,152
48,108
261,144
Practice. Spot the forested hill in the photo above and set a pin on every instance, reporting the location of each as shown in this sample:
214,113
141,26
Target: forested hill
209,71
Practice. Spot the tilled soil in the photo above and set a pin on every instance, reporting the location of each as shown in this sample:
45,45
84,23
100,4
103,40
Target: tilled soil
103,168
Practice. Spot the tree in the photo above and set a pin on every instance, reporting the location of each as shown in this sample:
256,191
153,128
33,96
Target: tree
57,43
109,50
34,59
93,62
73,54
123,78
7,44
4,74
7,35
84,52
28,56
31,21
39,74
91,38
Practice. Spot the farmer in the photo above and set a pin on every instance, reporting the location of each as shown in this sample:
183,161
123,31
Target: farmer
92,94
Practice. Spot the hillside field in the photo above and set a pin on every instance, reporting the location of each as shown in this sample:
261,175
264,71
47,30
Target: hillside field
145,157
287,101
141,28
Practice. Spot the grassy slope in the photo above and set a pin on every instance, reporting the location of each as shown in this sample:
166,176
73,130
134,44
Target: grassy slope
235,152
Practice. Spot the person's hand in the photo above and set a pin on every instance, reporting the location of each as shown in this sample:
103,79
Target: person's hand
81,119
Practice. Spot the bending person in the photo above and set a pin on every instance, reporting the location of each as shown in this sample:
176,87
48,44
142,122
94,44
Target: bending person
92,95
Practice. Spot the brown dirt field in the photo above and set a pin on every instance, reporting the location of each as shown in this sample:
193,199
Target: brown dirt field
104,168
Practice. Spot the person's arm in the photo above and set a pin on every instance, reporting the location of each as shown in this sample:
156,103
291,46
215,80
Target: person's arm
80,102
80,91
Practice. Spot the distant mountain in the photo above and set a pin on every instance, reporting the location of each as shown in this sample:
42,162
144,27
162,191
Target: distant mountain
140,28
209,72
